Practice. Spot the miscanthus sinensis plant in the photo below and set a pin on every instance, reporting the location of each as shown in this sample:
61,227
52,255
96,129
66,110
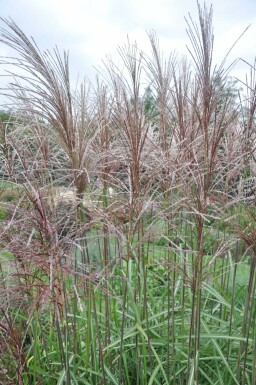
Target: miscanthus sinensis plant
127,246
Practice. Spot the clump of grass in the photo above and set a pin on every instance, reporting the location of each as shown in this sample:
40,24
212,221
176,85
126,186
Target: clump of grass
138,276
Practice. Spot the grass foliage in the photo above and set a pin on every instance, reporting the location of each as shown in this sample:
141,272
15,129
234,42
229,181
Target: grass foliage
127,242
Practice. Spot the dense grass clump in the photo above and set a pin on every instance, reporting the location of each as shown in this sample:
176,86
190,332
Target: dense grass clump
127,237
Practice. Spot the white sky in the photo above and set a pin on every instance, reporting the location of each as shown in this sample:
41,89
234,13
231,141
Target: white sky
91,29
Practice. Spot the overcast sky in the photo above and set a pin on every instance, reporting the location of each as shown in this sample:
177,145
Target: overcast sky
91,29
